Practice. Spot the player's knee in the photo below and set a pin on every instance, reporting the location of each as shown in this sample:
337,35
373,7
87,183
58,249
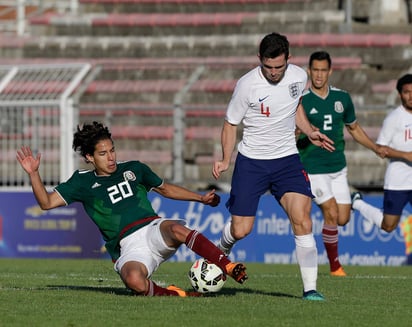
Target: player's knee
302,227
389,227
343,222
135,281
389,224
239,233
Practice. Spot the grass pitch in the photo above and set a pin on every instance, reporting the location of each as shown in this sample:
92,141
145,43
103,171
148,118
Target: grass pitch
47,292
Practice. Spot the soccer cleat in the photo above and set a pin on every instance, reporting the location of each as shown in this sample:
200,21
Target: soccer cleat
338,272
237,271
355,196
312,296
181,292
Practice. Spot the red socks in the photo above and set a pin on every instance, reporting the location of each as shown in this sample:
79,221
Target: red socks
201,246
330,240
206,249
155,290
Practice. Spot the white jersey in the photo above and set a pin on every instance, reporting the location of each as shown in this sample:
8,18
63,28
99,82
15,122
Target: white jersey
268,112
396,132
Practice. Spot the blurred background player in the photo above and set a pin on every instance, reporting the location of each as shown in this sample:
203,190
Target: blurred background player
396,137
330,109
267,101
114,195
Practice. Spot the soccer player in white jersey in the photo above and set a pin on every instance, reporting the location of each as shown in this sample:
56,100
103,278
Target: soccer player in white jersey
396,136
267,101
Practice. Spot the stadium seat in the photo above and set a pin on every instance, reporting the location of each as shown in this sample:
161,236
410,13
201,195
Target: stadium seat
349,40
388,87
142,132
146,156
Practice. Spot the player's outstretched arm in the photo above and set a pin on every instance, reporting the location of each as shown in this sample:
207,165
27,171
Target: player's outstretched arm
360,136
176,192
312,132
392,153
31,165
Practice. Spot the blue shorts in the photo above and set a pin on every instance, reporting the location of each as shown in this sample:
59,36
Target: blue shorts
395,201
253,178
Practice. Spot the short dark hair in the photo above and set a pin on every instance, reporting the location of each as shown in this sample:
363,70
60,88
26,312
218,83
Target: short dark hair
273,45
86,138
405,79
320,55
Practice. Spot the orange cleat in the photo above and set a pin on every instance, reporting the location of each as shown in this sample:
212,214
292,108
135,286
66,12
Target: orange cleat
237,271
181,292
338,272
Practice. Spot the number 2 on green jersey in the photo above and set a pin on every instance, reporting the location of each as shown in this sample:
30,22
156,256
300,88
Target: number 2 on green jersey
327,122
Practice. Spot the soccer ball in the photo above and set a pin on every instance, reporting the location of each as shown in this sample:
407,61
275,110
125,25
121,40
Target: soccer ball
206,277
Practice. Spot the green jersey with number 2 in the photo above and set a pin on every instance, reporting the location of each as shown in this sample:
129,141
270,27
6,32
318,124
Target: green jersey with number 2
330,115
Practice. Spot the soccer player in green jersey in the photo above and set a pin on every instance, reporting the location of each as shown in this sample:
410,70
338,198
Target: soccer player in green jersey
330,109
114,195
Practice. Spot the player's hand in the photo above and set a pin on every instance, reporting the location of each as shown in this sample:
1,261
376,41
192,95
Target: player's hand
381,151
211,198
26,159
321,140
219,167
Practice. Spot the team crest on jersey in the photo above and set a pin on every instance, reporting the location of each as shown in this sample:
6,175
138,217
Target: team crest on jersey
294,90
338,107
129,176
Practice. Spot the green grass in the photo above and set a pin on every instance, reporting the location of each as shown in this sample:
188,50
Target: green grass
89,293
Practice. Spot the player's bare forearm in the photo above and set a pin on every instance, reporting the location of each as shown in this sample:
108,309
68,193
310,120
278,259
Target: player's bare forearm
391,153
30,165
228,140
360,136
302,121
40,192
176,192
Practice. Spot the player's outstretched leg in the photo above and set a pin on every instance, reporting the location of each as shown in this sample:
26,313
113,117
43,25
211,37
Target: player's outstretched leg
155,290
206,249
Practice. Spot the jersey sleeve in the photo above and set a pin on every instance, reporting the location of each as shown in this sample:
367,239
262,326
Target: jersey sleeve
149,178
350,116
386,133
238,104
70,189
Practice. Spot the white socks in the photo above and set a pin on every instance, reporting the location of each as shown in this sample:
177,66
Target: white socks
307,256
369,212
306,253
226,240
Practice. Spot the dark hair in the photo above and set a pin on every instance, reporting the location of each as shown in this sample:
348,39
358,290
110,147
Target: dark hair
86,138
405,79
273,45
320,55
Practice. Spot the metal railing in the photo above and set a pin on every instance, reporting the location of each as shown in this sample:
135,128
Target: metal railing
19,24
36,109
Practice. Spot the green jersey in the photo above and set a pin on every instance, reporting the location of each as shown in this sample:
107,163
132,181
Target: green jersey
330,115
118,203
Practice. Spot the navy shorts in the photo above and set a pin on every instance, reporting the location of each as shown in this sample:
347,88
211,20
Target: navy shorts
395,201
253,178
